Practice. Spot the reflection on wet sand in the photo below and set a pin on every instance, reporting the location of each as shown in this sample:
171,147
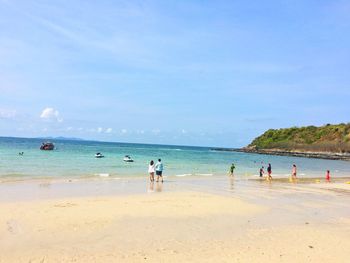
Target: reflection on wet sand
232,183
159,187
45,185
151,187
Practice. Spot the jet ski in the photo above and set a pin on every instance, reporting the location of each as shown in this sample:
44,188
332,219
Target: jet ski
99,155
128,159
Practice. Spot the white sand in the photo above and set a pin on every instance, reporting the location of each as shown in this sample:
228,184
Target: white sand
170,227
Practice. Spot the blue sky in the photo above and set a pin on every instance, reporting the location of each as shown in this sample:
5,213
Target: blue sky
214,73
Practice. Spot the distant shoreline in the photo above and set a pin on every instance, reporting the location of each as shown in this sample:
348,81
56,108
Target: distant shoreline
318,155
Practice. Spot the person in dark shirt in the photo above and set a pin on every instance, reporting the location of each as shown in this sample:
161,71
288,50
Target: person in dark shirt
232,169
261,172
269,172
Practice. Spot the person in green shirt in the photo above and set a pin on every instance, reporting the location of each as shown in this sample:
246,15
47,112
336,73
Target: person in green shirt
232,168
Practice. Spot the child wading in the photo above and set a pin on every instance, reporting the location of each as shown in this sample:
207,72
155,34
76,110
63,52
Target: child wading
261,171
232,169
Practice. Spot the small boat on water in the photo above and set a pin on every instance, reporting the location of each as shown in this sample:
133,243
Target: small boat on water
99,155
47,146
128,159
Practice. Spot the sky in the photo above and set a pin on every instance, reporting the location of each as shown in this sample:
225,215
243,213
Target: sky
206,73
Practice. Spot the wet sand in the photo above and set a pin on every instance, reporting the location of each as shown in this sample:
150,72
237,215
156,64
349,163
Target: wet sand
182,220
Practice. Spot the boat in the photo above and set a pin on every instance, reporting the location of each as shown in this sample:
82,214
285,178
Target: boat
99,155
47,146
128,159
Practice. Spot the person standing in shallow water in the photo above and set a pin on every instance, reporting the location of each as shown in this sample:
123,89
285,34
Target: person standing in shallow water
159,170
151,168
294,172
269,172
328,176
232,169
261,171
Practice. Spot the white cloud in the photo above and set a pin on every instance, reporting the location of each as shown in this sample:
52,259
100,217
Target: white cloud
124,131
98,130
183,131
7,114
155,131
51,114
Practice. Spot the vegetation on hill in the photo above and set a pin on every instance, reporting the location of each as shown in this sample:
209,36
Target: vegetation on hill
327,138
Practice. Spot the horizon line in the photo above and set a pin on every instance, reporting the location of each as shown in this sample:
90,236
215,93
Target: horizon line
92,140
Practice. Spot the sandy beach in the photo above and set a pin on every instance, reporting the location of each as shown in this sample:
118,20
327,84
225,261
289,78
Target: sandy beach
228,221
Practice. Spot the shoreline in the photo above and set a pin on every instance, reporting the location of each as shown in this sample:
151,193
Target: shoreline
317,155
281,178
45,189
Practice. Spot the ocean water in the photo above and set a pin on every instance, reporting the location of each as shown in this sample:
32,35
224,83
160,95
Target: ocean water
74,159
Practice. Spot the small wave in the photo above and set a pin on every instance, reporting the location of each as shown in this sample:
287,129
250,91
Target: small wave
103,174
170,149
182,175
205,174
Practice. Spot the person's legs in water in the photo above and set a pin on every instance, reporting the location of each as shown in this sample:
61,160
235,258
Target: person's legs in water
159,174
269,177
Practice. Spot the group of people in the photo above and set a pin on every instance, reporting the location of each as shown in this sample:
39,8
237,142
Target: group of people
261,171
269,172
157,169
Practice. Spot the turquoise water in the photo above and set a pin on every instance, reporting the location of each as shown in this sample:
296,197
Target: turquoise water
77,159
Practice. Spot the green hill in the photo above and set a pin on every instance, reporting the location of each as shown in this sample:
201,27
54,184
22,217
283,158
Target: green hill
327,138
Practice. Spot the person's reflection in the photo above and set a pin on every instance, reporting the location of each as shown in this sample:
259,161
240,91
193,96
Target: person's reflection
159,187
151,187
45,185
232,183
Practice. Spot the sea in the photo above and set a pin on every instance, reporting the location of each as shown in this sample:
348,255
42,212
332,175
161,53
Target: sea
76,159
